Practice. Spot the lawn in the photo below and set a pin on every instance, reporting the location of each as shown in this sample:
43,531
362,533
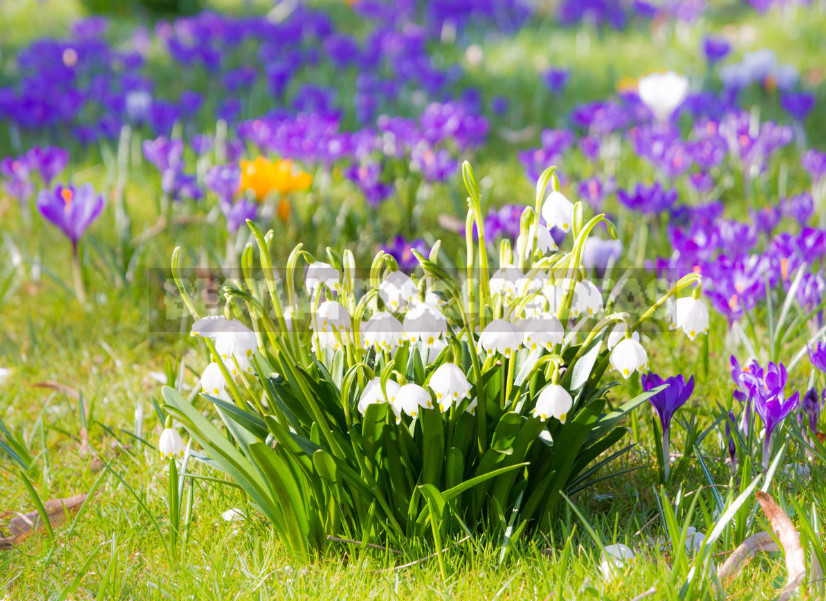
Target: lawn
82,380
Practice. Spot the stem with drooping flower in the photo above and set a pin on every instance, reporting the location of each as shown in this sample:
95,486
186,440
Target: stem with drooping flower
684,282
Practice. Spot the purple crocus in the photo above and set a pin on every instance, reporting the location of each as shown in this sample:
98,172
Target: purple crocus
402,251
773,408
798,104
224,180
49,161
556,79
649,200
715,49
817,355
237,213
71,209
16,174
666,402
810,409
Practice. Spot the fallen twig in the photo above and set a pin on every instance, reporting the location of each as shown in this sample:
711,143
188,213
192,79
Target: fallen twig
423,559
348,541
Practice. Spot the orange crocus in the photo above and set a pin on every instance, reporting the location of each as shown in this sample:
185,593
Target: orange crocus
263,176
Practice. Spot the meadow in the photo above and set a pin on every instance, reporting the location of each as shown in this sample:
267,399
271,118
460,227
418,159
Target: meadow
554,328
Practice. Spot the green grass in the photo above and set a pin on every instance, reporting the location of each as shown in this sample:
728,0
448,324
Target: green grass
107,350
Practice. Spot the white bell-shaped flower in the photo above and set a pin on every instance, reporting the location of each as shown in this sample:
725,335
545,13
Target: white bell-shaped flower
558,211
500,336
431,352
331,316
373,394
434,300
213,382
553,401
618,333
614,559
425,323
505,281
587,299
319,273
544,241
170,444
413,398
556,294
543,331
450,385
628,356
663,93
398,291
325,340
690,314
382,331
234,342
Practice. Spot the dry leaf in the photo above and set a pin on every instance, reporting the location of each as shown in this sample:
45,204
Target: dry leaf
67,390
790,541
762,541
57,510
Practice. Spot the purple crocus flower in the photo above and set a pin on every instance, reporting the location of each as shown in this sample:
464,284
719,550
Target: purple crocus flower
665,403
224,180
773,408
798,104
817,355
649,200
556,79
237,213
368,179
164,153
810,409
71,209
811,290
49,161
402,251
814,163
715,49
599,253
17,177
503,222
702,181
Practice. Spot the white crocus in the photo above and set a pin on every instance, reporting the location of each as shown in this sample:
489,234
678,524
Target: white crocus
587,299
544,241
234,342
450,385
618,333
331,316
558,211
412,398
614,559
553,401
690,314
424,323
663,93
542,331
398,291
382,331
373,394
501,337
628,356
170,444
319,273
213,382
506,281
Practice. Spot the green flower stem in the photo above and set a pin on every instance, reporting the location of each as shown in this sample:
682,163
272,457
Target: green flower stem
470,258
269,275
176,275
77,275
